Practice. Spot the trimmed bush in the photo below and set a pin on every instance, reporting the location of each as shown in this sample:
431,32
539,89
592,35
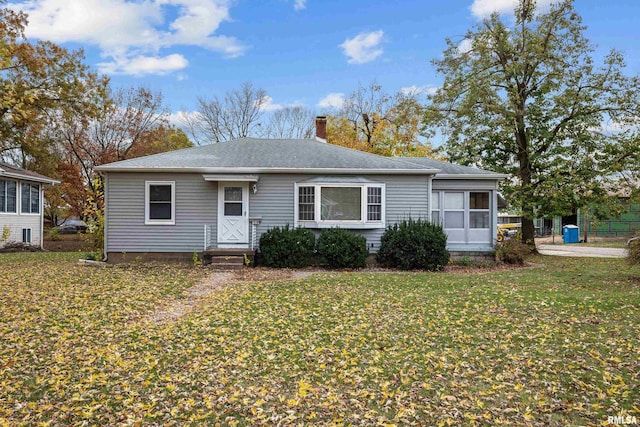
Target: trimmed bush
633,251
340,248
512,251
287,247
414,244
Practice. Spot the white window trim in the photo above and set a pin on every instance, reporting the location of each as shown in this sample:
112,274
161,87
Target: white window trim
436,194
30,232
147,220
487,210
17,212
464,210
363,223
40,195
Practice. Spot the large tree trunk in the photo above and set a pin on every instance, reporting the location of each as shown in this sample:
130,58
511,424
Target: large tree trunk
528,230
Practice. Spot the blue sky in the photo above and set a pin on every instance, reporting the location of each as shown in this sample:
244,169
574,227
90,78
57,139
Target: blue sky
305,52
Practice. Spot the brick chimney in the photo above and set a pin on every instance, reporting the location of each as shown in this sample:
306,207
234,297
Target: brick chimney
321,128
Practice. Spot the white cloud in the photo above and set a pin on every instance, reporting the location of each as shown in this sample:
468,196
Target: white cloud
141,65
365,47
269,105
484,8
465,46
299,4
126,31
333,100
419,90
181,118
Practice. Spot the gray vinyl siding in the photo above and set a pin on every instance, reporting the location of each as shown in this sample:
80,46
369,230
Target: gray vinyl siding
406,196
196,205
464,184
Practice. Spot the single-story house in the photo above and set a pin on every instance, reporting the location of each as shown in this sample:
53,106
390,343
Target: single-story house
21,205
224,196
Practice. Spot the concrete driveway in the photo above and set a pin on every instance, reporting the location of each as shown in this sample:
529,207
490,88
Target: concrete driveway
581,251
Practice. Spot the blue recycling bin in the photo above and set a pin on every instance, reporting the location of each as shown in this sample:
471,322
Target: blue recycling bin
571,234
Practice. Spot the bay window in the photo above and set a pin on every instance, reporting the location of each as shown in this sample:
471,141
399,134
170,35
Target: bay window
326,205
340,203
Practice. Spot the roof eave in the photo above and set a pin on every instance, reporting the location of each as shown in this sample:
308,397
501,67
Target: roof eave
492,176
349,171
43,179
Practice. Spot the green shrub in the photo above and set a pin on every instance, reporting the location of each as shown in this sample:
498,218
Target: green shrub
6,233
53,234
340,248
94,217
414,244
512,251
287,247
465,261
633,252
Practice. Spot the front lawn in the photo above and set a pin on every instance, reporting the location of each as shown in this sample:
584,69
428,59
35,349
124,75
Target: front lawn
557,344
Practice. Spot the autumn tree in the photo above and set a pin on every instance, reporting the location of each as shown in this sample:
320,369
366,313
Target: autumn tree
36,79
39,82
127,116
236,115
527,99
161,139
119,124
374,121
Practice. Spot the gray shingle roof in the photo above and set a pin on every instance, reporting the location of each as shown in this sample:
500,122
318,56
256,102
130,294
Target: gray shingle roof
450,169
16,172
264,155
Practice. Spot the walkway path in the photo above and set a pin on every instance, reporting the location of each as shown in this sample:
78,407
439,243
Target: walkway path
217,281
582,251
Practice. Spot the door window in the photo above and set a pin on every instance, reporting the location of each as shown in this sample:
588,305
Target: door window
233,201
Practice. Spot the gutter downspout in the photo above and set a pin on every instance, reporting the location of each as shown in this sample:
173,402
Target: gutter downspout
430,195
41,216
106,207
494,217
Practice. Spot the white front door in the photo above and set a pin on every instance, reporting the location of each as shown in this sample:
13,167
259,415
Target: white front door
233,214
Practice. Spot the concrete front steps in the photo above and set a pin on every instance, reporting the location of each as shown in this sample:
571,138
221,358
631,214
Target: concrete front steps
224,259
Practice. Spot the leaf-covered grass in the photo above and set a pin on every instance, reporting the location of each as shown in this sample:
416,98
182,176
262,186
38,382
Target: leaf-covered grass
552,345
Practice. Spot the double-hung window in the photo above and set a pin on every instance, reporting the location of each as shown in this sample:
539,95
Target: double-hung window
479,210
8,196
435,208
454,210
335,204
160,203
30,198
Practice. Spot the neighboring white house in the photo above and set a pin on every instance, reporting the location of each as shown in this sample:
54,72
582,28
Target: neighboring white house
21,205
